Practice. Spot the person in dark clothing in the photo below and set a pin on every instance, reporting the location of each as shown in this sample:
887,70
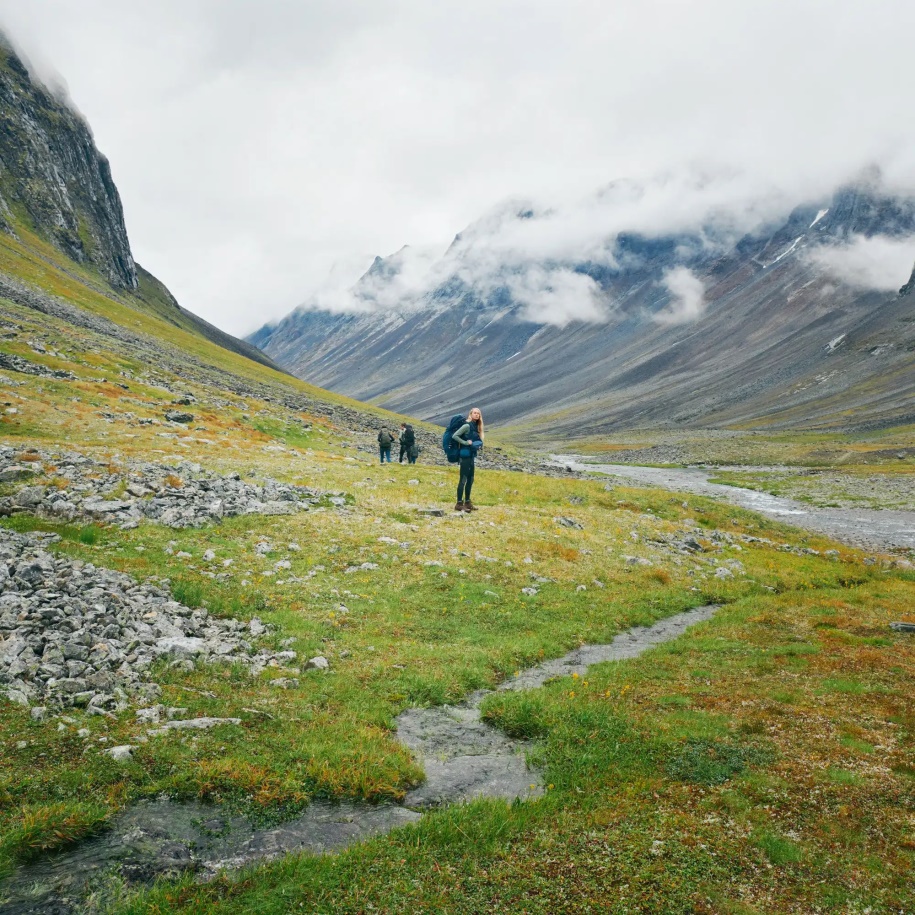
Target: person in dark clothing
385,440
407,441
470,438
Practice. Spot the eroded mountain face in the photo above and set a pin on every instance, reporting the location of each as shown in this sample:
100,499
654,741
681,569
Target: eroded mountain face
53,180
763,328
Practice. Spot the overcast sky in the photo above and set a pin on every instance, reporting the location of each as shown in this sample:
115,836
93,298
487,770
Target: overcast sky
260,144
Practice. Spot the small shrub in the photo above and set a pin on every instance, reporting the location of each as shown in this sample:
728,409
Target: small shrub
89,534
713,762
778,850
118,490
173,482
522,718
47,828
423,691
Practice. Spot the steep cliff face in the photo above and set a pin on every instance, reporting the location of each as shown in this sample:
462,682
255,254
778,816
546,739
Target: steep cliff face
54,181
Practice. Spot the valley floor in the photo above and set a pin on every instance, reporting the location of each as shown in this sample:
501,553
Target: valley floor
763,761
876,526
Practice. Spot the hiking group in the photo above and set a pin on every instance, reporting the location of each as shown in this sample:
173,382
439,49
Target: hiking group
407,440
461,441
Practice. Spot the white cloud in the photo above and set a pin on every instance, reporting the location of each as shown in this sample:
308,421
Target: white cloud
558,297
393,283
256,145
879,262
688,302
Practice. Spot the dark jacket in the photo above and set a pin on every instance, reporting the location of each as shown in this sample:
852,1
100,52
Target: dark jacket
385,439
469,439
407,437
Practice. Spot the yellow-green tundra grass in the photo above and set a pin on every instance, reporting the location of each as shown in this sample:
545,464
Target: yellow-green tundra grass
763,762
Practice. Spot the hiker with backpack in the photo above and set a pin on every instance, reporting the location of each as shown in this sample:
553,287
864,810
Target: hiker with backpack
385,440
407,444
461,441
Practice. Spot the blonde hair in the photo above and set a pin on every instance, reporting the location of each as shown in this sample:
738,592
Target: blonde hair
480,421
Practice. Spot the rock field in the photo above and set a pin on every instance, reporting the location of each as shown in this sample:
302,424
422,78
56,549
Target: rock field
73,634
184,495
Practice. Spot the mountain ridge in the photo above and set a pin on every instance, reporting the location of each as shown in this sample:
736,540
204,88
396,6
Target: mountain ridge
57,188
759,315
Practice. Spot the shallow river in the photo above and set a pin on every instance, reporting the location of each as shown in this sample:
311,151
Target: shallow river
864,527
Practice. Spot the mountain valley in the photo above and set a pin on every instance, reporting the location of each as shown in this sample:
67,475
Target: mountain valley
699,329
246,667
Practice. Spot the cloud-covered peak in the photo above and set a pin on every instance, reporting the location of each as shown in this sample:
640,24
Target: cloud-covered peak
557,261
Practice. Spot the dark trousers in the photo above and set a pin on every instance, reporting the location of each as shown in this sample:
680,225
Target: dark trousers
384,452
466,479
404,450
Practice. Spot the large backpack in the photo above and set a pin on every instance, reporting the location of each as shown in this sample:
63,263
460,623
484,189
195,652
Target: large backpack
451,448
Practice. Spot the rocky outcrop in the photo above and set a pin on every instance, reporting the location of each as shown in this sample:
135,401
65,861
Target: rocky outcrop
53,180
184,495
910,286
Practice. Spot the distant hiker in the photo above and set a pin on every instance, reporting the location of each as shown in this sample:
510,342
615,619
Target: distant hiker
385,440
470,439
407,443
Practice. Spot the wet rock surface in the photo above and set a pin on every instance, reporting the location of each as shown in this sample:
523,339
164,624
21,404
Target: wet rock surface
73,634
464,757
628,644
164,838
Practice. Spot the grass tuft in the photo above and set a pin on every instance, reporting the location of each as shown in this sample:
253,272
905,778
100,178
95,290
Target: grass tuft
713,762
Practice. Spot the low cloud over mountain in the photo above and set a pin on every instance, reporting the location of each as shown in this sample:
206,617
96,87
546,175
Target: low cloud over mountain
613,309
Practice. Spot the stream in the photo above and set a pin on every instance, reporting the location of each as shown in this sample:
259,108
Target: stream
868,528
463,758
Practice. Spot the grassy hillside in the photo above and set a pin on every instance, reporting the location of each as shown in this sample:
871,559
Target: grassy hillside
151,311
764,762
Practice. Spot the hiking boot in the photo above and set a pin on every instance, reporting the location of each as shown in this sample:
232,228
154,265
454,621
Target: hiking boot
469,507
459,506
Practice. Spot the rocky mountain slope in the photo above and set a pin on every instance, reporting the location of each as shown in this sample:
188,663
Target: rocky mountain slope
53,178
57,197
694,328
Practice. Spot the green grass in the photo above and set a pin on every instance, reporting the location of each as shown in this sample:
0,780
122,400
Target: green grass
760,763
49,827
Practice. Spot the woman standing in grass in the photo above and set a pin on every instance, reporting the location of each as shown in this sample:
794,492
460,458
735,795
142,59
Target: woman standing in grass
470,438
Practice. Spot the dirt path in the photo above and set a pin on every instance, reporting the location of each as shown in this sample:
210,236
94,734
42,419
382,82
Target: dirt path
863,527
